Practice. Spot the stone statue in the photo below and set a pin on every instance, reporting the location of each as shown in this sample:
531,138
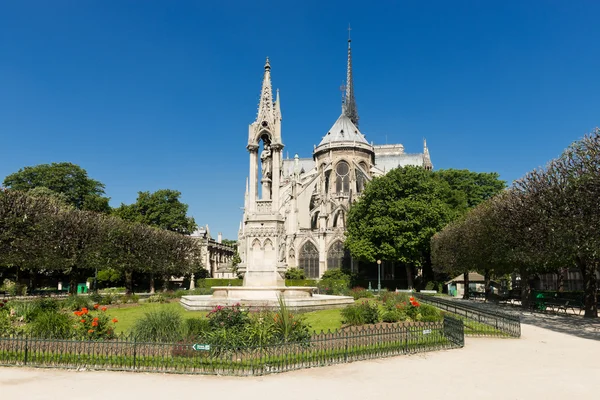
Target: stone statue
266,161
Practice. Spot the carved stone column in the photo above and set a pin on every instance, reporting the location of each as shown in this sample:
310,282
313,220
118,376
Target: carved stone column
253,189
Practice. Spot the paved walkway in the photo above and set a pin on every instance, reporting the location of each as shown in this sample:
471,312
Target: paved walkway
570,323
543,364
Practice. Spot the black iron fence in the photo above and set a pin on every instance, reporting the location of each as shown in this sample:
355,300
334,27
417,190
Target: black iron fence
477,322
127,354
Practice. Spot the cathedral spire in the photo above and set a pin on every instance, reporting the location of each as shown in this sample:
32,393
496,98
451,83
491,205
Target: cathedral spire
349,106
426,157
265,106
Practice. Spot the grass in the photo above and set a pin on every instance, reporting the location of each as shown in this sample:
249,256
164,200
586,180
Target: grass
128,315
318,320
324,320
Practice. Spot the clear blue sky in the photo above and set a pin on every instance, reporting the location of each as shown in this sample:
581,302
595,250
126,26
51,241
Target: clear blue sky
158,94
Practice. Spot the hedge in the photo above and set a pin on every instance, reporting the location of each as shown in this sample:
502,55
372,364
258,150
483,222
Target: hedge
210,282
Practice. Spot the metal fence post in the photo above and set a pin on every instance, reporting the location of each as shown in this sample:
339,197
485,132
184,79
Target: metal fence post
26,351
346,348
134,352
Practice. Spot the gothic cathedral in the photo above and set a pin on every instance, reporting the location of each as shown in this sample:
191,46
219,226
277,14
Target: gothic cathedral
295,209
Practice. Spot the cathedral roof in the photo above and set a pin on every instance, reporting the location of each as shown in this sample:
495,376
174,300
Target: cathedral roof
343,131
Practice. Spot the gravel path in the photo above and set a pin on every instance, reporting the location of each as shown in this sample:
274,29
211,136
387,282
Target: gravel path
542,364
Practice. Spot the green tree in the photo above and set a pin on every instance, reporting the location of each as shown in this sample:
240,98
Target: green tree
397,215
66,179
162,209
473,187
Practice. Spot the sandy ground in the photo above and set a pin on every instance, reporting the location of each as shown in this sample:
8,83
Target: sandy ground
543,364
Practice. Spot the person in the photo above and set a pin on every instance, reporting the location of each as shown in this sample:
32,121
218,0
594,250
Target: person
265,158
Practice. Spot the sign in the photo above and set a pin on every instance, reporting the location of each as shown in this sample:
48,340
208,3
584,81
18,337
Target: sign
201,347
426,331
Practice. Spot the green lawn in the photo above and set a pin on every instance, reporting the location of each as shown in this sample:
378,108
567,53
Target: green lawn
128,315
324,320
318,320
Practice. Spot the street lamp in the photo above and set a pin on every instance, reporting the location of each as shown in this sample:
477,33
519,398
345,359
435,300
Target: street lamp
378,276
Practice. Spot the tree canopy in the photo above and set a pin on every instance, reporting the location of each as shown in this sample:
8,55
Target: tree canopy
548,220
398,213
162,209
41,234
67,180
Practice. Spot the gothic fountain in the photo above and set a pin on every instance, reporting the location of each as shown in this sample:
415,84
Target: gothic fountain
262,238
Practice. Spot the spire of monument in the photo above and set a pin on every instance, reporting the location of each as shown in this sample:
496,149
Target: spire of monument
265,106
349,106
277,105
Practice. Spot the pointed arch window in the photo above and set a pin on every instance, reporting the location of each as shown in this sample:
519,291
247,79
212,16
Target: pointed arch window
309,260
342,183
337,256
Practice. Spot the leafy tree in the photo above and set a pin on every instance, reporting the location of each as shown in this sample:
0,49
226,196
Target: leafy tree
396,216
161,209
65,178
474,187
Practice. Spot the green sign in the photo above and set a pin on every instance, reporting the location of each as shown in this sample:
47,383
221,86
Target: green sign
201,347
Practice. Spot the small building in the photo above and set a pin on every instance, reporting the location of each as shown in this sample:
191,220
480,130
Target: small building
456,286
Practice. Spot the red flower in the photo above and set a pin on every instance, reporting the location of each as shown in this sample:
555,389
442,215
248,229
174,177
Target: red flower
114,320
95,323
78,313
95,319
104,308
84,310
96,306
82,321
91,331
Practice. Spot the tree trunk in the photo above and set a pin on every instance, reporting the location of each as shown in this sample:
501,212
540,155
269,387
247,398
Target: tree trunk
165,283
466,295
73,282
525,288
128,282
590,286
487,284
152,288
32,283
560,280
409,276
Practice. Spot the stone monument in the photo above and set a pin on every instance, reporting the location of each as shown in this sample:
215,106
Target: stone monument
261,242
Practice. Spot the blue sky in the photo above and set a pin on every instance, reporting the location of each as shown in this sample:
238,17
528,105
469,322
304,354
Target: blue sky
158,94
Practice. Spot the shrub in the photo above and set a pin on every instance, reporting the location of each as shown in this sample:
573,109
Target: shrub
208,283
159,326
94,323
95,297
360,293
157,298
198,291
24,311
74,303
129,298
393,316
430,313
51,324
261,331
228,317
289,327
301,282
430,285
360,314
195,327
335,281
294,274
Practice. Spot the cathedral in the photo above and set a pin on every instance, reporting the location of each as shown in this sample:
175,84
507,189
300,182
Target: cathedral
295,209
